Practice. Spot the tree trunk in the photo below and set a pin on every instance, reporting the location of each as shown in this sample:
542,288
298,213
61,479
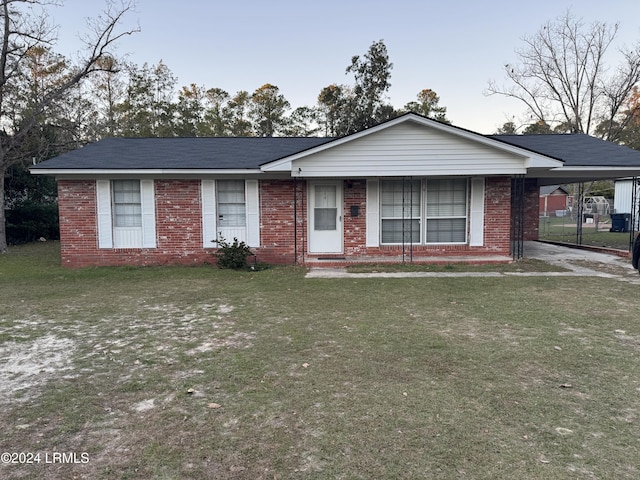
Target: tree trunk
3,229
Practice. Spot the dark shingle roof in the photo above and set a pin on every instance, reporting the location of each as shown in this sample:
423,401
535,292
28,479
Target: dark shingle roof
229,153
576,150
181,153
549,189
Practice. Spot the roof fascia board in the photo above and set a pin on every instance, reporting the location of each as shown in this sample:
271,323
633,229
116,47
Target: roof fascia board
161,172
584,174
588,169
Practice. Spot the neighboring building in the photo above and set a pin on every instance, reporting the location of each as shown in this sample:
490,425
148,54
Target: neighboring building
623,198
626,200
554,201
408,189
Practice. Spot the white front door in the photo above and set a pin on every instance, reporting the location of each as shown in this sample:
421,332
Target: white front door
325,217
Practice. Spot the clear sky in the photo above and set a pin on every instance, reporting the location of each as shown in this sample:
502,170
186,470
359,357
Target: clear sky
453,47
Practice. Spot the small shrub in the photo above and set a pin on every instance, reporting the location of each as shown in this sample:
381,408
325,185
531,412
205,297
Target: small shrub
232,255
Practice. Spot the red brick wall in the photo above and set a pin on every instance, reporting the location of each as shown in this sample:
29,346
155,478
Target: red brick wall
549,204
78,227
497,210
179,225
277,225
355,228
531,209
179,222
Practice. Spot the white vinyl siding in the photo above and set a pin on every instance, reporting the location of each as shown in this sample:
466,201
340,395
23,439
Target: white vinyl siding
230,209
429,211
126,213
408,150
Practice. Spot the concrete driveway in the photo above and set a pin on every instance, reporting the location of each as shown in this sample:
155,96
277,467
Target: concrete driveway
581,261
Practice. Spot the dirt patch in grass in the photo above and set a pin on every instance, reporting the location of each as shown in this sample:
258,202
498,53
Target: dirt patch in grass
26,367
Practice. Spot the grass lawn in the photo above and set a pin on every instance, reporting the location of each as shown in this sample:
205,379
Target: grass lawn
201,373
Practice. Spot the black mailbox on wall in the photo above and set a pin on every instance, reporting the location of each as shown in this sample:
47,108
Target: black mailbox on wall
355,210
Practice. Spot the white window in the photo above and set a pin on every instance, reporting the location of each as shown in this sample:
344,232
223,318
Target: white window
400,211
325,212
446,211
423,211
127,204
231,204
230,209
126,213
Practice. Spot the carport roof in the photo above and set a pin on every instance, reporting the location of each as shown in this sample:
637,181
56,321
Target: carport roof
576,149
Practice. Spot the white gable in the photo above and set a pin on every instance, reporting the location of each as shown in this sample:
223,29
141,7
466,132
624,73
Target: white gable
411,147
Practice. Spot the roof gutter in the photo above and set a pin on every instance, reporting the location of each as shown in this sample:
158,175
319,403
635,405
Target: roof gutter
141,172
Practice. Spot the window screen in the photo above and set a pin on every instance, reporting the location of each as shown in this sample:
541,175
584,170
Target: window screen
127,206
400,211
446,211
325,210
232,210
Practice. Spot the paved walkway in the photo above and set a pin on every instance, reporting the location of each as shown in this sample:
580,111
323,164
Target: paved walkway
577,262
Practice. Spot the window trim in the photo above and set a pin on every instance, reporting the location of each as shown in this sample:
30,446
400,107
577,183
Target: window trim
419,217
209,199
447,217
105,214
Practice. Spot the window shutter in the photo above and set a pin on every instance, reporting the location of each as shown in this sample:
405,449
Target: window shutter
253,213
148,203
373,213
208,190
476,218
103,200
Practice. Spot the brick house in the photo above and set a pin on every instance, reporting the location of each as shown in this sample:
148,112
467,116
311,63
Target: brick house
410,189
554,200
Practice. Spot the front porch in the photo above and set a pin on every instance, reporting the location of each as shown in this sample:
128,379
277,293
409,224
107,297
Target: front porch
334,261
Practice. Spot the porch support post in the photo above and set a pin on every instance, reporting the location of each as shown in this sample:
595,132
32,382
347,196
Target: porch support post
295,220
580,213
635,211
517,216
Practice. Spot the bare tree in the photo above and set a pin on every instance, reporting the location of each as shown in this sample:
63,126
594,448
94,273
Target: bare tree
25,25
563,79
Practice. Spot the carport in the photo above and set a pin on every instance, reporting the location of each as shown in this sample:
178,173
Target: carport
585,159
